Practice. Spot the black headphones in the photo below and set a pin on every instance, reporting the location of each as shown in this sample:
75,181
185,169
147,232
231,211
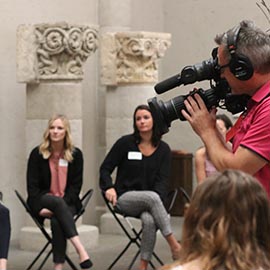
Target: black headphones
239,65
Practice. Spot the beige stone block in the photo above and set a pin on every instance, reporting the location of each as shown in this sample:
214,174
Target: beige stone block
26,59
117,127
76,132
34,131
109,225
31,239
47,98
101,132
122,101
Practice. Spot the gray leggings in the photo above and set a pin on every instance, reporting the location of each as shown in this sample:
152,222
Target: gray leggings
147,206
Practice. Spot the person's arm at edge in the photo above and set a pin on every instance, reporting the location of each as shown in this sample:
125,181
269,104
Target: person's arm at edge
200,156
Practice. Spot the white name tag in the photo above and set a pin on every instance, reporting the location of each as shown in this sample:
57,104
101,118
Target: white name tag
63,163
134,155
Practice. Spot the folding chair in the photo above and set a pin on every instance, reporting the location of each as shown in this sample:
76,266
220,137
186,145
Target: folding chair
185,196
84,200
134,235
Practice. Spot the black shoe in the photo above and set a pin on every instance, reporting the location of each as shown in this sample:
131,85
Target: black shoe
86,264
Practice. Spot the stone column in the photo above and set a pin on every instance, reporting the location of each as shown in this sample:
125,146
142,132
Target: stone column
50,60
129,70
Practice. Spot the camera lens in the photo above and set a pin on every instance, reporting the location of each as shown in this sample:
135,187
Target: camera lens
166,112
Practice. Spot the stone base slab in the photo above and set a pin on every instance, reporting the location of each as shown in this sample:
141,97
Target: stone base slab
108,225
31,239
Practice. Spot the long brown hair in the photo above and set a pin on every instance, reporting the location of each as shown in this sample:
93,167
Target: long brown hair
45,147
227,224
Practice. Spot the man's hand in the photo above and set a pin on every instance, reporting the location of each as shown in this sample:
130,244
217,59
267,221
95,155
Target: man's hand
198,116
111,196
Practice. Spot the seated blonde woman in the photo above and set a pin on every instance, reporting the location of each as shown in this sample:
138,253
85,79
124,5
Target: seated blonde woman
54,181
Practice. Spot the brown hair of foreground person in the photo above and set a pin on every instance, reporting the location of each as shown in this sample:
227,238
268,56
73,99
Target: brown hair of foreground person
227,225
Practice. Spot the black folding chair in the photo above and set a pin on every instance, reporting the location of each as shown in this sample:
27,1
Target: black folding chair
184,194
84,200
134,235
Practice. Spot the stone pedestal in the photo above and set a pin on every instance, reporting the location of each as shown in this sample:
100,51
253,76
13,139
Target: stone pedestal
32,239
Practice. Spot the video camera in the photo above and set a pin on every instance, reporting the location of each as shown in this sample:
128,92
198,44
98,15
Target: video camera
219,95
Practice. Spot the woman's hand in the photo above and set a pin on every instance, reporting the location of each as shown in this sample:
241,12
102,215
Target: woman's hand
44,212
111,196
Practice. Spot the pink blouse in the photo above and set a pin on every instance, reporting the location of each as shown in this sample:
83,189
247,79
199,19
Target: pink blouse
58,167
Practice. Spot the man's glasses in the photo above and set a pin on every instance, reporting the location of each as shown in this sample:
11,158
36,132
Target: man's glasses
220,68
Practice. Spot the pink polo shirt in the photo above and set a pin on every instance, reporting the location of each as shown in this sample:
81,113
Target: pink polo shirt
254,131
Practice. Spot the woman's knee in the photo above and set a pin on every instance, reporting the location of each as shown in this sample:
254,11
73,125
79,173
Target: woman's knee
148,221
60,203
54,203
154,198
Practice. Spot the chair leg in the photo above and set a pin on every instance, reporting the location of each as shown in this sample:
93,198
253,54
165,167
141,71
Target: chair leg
158,259
134,259
150,262
138,237
38,256
120,255
152,265
45,259
71,264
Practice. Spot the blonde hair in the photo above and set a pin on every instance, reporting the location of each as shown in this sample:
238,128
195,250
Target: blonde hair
227,225
45,147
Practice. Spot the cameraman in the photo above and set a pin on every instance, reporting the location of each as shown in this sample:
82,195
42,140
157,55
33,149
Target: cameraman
244,61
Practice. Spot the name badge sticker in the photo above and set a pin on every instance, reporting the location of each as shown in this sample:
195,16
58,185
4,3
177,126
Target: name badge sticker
63,163
134,155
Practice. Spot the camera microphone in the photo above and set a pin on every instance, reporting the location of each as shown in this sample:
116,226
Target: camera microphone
168,84
189,74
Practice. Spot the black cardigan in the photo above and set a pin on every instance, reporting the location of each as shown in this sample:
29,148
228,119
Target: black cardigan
39,179
148,173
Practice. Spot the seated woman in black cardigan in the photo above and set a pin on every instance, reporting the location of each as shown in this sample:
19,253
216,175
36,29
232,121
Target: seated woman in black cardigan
54,181
143,165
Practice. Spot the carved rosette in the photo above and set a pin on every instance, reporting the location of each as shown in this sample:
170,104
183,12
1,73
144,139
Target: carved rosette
63,49
60,50
131,57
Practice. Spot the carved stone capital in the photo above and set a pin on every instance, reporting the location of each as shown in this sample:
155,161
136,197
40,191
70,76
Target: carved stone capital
53,51
131,57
